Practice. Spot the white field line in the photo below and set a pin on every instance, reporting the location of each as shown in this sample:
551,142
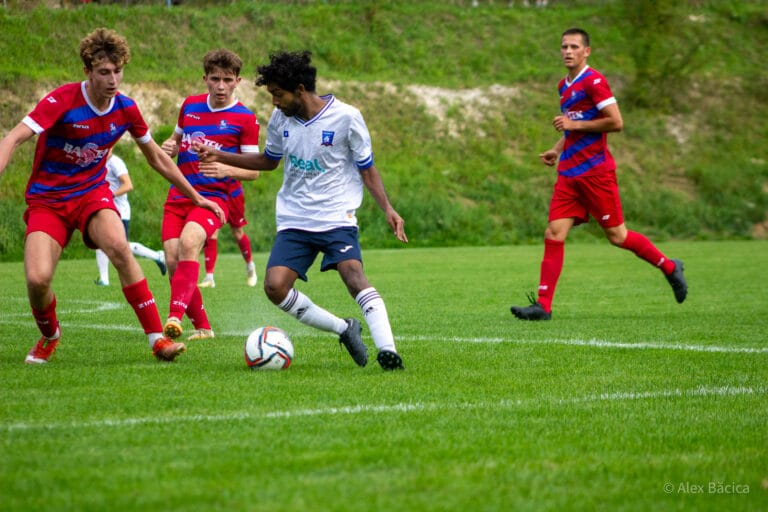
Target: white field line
703,391
638,345
93,306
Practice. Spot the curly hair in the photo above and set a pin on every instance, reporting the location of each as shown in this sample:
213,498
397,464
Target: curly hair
223,59
104,43
289,70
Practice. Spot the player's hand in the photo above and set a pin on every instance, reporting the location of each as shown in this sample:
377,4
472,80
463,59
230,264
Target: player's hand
562,123
170,148
215,208
213,169
204,153
397,224
549,157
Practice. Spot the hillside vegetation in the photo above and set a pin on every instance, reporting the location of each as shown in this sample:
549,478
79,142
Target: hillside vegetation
459,101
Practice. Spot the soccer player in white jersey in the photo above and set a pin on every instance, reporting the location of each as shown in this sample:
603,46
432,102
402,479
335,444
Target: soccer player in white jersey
120,184
328,158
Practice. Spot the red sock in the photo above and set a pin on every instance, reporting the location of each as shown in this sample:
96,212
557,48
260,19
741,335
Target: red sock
141,300
211,252
183,285
245,247
551,266
643,248
46,319
196,311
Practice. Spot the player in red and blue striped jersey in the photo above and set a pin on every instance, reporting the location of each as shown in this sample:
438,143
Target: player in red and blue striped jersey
215,119
77,125
586,180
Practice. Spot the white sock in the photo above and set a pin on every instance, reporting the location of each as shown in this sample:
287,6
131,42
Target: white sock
305,311
375,314
144,251
153,337
102,261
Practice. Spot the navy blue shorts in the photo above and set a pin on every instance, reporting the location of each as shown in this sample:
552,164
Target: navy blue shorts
297,249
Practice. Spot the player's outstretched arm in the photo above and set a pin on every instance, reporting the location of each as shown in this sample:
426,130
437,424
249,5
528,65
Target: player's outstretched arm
254,161
163,164
374,184
219,170
16,137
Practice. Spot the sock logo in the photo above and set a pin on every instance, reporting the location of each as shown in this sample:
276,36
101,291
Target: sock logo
142,305
178,303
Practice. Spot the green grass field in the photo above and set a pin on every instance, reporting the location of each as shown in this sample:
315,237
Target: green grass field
624,401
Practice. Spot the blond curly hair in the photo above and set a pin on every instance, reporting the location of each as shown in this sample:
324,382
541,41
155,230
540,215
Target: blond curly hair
104,43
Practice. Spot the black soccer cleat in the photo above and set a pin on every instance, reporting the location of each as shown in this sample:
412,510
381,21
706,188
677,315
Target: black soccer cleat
390,360
533,312
677,281
353,341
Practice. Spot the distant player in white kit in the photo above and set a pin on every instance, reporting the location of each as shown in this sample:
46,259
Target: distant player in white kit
328,158
120,184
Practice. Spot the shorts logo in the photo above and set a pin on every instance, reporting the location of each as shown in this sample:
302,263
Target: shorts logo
345,249
327,138
285,134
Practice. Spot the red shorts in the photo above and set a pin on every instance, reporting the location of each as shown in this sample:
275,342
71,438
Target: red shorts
236,217
60,220
578,198
177,214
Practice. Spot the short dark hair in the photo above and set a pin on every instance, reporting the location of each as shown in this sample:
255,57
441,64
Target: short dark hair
224,59
579,31
289,70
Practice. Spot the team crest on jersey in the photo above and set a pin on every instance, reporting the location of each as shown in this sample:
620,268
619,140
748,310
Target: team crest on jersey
327,138
112,128
222,125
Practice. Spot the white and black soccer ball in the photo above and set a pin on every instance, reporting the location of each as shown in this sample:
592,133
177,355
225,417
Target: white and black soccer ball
268,348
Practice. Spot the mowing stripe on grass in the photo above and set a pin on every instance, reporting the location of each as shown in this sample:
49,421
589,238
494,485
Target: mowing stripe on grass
702,391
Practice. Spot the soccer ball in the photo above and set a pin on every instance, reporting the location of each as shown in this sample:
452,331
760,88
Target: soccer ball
268,348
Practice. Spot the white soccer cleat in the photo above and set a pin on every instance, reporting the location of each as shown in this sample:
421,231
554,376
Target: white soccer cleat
252,278
201,334
208,282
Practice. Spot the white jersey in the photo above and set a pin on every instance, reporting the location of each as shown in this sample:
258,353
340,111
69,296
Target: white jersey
116,168
323,158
